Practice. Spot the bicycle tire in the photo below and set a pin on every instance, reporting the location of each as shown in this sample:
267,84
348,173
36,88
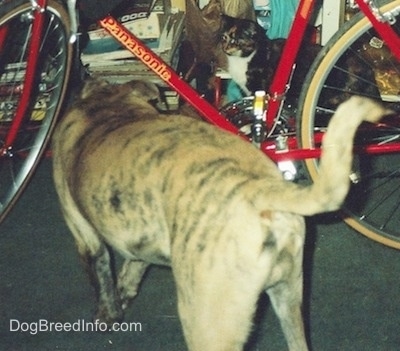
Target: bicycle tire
18,163
372,206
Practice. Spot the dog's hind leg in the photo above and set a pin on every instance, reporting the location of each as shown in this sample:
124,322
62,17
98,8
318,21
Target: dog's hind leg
286,298
218,315
109,309
95,256
218,287
129,279
287,294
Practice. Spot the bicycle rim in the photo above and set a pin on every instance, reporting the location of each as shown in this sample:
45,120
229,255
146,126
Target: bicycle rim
357,62
19,161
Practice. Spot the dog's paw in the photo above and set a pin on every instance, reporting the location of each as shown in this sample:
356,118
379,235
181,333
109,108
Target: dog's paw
126,296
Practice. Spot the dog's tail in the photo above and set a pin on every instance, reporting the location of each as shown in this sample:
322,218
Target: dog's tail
329,190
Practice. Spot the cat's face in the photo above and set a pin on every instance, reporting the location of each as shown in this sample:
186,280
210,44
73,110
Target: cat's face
239,37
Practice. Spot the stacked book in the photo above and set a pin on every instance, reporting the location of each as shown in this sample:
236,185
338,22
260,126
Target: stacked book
159,28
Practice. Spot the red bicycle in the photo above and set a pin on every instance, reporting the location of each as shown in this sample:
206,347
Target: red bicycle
37,57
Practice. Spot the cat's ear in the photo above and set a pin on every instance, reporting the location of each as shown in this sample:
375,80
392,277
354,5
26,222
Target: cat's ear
226,21
257,32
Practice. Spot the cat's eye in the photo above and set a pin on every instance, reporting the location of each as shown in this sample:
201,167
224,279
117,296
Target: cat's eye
228,39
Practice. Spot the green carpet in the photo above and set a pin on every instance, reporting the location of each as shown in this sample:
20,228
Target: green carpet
352,290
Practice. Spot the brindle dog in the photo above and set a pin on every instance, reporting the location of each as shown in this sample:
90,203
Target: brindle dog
173,190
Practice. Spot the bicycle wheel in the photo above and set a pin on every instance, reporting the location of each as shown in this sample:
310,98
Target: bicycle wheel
19,159
357,62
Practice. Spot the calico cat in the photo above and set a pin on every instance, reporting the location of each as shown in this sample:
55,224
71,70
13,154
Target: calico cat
174,190
253,59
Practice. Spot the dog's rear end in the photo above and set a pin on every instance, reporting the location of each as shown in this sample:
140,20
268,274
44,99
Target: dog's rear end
176,191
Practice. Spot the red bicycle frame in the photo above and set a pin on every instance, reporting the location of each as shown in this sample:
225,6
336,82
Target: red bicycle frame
208,111
279,84
285,67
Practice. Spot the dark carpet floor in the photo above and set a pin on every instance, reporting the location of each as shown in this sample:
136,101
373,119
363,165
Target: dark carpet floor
352,290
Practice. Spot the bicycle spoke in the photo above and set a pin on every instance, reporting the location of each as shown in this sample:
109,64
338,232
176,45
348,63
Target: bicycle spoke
49,84
357,62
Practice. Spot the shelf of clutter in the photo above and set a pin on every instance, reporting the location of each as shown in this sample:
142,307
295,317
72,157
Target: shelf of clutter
157,23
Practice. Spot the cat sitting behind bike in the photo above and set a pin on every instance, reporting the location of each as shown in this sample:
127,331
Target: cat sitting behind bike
253,59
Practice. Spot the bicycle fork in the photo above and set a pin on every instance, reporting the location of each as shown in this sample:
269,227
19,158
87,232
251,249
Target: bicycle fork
36,16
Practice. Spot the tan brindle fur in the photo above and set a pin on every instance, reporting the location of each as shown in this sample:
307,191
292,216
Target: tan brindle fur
173,190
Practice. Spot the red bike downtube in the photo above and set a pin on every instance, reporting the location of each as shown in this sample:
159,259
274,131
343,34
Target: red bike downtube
165,72
285,67
29,79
